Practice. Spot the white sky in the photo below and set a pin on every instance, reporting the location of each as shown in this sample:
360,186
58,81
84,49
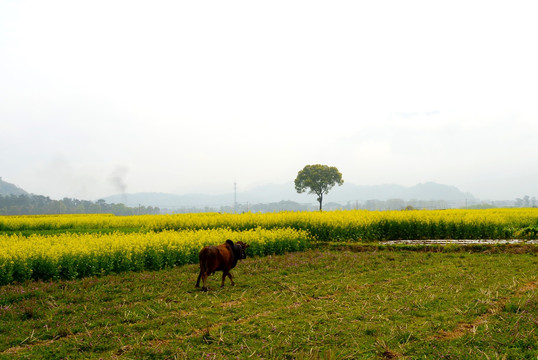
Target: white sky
97,97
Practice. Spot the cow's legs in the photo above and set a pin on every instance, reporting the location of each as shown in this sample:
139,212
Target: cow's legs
204,282
224,274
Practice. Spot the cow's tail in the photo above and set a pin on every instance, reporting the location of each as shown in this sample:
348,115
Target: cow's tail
199,277
203,267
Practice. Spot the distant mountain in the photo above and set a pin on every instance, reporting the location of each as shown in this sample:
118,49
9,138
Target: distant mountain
424,192
7,189
273,193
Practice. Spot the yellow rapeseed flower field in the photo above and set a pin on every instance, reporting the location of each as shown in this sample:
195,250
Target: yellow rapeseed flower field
357,224
78,255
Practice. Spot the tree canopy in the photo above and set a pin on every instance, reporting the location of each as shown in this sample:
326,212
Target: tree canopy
318,179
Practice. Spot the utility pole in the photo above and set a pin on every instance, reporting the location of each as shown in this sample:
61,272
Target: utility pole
235,196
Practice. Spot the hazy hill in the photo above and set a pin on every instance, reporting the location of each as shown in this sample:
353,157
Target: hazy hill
272,193
15,201
281,193
7,189
425,192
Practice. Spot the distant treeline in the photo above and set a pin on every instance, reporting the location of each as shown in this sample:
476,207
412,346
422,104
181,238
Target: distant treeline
244,208
38,204
373,205
399,204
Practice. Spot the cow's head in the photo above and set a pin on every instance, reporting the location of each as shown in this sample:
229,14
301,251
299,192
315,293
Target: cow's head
242,249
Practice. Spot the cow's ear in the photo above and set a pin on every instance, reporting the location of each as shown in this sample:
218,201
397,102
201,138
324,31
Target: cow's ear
246,246
230,242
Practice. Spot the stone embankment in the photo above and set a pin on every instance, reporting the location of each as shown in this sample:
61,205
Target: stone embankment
459,242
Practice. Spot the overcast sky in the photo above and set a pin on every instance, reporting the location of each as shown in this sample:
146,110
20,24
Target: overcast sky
103,97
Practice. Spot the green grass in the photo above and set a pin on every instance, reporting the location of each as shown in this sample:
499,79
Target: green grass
308,305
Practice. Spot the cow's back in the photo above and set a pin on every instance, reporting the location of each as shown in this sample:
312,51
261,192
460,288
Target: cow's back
214,258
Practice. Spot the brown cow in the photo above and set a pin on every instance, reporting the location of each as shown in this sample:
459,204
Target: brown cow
220,258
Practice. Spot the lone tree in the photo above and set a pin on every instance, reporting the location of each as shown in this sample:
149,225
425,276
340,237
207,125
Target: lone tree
318,179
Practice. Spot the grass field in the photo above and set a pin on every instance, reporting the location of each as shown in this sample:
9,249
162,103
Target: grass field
305,305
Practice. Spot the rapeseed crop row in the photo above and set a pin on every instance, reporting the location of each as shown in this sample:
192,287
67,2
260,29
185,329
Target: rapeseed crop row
359,225
69,256
363,225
